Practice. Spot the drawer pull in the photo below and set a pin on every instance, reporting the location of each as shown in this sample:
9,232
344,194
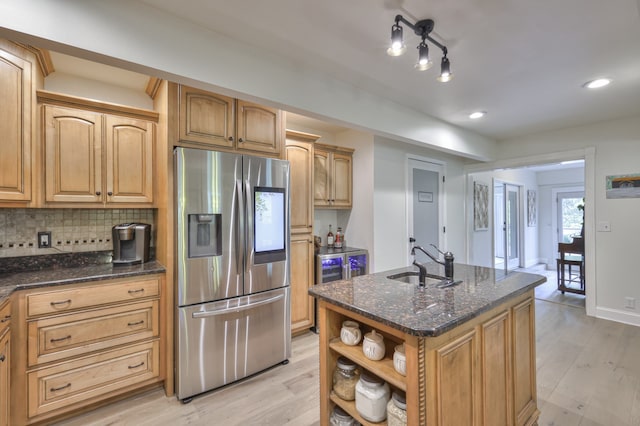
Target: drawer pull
64,302
61,339
131,367
6,318
68,385
2,358
131,324
140,290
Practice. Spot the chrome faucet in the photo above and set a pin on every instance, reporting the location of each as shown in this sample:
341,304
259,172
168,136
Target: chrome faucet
448,261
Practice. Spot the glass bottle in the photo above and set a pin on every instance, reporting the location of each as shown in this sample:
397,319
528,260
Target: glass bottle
345,378
397,409
339,417
330,242
372,395
339,238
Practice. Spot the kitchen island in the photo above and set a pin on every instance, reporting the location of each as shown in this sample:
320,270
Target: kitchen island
470,347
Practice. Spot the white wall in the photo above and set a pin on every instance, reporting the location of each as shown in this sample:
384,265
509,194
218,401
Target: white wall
390,207
612,272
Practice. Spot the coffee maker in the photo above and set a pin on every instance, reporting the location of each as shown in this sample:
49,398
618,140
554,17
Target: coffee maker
131,243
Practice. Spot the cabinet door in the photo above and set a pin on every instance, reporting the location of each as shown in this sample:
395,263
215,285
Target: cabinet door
4,377
258,128
524,361
206,118
302,314
15,128
495,356
456,376
321,178
300,156
341,180
73,155
129,165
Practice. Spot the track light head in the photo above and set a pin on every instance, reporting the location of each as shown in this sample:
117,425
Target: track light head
424,62
397,43
445,70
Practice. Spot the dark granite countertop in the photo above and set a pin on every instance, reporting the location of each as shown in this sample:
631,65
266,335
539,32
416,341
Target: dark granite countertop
427,311
72,275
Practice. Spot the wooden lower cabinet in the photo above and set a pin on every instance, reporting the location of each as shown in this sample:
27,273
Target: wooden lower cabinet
85,343
302,305
480,373
5,362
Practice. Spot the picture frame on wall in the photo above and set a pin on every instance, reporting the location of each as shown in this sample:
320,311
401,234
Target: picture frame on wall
532,213
480,206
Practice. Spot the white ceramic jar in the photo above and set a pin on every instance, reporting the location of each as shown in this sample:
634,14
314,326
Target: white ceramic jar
400,360
350,333
372,395
373,346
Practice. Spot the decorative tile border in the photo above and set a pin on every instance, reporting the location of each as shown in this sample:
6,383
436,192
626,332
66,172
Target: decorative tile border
72,230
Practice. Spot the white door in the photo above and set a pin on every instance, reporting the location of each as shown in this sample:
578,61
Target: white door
424,206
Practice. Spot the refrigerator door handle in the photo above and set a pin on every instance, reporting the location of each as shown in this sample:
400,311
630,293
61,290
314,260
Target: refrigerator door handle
345,271
237,308
239,218
248,237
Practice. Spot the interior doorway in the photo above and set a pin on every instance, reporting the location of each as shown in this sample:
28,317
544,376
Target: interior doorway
424,204
507,223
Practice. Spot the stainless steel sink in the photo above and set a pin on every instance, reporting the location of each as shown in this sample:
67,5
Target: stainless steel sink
411,277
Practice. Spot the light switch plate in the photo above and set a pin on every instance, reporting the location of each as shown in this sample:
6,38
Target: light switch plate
604,226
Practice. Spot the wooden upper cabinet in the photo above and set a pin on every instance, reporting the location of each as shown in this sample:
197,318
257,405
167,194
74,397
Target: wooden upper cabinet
299,152
93,157
129,160
73,155
258,128
333,176
221,122
206,118
16,119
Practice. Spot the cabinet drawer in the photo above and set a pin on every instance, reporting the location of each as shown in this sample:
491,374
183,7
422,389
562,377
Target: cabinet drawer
5,316
49,302
62,336
91,378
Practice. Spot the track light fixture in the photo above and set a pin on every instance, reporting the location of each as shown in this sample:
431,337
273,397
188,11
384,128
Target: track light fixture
422,29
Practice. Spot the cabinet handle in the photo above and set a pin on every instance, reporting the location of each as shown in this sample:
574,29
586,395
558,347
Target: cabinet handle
98,192
231,138
64,302
68,385
136,291
240,140
109,193
131,367
2,358
61,339
131,324
6,318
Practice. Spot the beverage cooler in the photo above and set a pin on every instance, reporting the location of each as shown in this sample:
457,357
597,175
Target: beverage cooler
340,264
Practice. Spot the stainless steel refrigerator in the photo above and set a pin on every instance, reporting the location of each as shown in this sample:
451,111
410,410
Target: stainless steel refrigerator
233,298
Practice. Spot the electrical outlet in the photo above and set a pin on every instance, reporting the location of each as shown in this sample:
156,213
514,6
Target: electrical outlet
630,303
44,239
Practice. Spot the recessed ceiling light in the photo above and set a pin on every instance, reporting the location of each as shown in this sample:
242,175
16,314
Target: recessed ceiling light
477,114
597,83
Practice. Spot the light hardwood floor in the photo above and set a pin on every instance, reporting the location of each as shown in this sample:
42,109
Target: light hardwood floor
588,374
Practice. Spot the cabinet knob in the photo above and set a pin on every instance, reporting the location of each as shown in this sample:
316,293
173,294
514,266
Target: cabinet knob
231,138
109,193
2,358
98,192
240,140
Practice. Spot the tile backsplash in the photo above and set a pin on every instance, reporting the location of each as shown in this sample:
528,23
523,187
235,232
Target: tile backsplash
72,230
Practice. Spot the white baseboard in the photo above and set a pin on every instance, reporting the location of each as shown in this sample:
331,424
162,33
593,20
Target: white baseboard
534,262
624,317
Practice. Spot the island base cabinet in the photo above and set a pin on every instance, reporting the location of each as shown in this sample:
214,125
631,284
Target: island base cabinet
479,373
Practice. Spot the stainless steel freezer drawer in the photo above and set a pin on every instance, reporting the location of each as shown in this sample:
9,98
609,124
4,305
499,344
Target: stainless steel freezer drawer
224,341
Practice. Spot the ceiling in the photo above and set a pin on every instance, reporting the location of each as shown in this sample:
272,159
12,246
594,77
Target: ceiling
522,62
